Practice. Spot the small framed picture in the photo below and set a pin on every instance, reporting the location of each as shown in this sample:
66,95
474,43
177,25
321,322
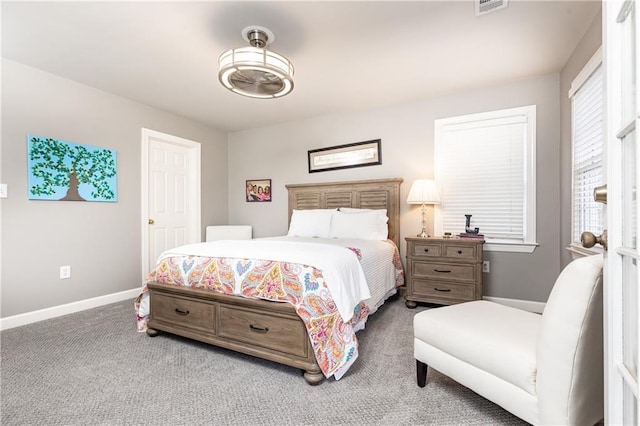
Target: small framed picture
258,190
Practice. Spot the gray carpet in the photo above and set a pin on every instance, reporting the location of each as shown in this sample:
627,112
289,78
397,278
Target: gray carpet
93,368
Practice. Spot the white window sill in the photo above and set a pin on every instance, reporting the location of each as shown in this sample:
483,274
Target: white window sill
509,246
577,250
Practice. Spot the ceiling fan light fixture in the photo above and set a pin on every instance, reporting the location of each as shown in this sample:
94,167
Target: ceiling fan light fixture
255,71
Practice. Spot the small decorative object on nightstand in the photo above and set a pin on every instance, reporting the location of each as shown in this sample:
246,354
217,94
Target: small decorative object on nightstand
423,191
468,228
443,271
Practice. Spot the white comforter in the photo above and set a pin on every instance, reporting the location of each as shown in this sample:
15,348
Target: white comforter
340,267
376,261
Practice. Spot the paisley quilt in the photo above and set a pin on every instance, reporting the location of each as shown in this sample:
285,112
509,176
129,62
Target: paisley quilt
333,339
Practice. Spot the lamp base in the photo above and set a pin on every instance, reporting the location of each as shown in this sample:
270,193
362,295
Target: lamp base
423,234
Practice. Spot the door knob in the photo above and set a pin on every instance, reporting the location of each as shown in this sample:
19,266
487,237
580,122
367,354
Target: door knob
600,194
151,221
589,240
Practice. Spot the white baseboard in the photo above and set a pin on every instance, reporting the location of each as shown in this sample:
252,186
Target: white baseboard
69,308
526,305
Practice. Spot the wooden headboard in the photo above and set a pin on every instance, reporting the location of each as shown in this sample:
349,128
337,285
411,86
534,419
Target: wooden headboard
363,194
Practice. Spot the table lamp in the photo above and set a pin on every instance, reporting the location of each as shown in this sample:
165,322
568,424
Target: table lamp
423,191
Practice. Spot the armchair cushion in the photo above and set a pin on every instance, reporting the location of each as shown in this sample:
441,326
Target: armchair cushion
494,338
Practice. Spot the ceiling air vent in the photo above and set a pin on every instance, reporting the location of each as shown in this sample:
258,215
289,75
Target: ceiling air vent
487,6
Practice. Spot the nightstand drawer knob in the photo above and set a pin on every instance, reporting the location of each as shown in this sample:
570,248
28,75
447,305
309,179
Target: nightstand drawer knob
442,271
426,250
181,312
444,290
459,251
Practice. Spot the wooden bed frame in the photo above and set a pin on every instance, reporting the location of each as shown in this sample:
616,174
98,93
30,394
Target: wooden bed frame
261,328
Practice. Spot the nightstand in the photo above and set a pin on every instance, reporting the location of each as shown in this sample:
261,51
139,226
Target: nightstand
443,271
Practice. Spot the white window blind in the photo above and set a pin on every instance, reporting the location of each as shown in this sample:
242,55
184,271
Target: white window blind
588,170
485,167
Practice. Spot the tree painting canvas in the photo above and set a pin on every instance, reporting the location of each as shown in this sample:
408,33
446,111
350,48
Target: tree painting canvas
67,171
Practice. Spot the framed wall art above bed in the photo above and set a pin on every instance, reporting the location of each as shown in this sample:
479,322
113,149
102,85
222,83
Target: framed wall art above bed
359,154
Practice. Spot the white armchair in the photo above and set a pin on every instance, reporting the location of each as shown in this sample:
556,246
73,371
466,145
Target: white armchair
545,369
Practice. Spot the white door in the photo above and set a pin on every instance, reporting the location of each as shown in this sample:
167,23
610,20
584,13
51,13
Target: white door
621,296
170,194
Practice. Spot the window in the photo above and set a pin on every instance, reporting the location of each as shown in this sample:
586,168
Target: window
587,134
495,184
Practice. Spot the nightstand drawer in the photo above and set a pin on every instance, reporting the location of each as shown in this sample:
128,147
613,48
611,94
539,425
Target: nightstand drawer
454,251
440,290
181,311
443,271
427,250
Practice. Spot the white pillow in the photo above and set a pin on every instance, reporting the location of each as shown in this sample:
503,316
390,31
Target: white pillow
310,223
382,212
367,225
382,216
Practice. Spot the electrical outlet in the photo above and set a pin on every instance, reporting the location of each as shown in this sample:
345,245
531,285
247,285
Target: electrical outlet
486,267
65,272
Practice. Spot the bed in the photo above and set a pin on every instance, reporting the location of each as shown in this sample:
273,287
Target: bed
229,293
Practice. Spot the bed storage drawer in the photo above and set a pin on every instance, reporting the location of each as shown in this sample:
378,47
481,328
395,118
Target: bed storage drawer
271,331
182,311
268,330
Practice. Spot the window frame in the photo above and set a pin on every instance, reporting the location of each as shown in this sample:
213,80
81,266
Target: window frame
529,240
575,247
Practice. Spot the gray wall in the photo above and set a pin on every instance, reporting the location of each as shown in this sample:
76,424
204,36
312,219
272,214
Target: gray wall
279,152
101,241
590,42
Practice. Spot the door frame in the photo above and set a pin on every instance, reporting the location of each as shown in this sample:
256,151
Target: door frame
194,184
617,376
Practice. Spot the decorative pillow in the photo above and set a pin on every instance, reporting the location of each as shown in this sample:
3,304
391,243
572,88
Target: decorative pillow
382,217
369,225
310,223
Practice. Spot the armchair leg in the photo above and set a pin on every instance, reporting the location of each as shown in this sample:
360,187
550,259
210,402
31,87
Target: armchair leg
421,373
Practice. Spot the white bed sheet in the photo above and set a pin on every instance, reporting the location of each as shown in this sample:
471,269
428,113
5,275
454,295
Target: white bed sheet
377,264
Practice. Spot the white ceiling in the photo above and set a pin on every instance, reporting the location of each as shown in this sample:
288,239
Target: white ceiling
347,55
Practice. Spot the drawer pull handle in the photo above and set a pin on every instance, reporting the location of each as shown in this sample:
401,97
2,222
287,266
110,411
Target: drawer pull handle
426,250
258,329
443,271
459,251
444,290
181,312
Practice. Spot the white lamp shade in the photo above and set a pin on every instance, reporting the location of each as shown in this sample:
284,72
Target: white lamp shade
423,191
